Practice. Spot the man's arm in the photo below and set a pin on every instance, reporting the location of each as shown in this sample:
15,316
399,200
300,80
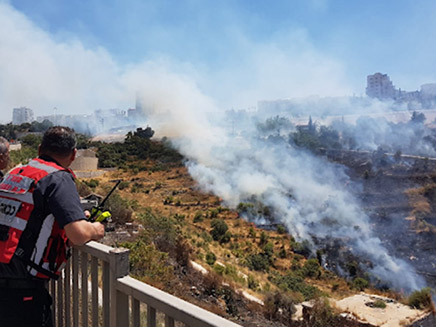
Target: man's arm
64,204
81,231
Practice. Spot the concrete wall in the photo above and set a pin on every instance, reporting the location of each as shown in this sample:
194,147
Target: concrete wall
85,160
83,163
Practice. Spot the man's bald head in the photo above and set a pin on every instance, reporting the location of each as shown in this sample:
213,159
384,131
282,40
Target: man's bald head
4,152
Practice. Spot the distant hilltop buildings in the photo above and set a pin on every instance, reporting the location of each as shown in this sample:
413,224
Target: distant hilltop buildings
101,120
380,86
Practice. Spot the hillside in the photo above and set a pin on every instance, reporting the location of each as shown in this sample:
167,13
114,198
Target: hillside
188,243
174,222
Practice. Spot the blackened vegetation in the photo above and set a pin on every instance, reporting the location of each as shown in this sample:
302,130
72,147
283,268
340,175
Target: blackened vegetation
389,184
367,134
379,179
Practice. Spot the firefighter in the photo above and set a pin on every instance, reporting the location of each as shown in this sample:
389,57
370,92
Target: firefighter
40,217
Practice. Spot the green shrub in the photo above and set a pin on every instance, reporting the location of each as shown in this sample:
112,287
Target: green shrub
22,156
268,249
168,200
258,262
279,307
282,253
295,283
148,264
219,229
226,238
252,283
198,217
206,237
210,258
159,230
311,268
179,218
322,315
219,269
92,183
232,272
421,299
213,213
119,208
379,304
359,283
252,232
123,185
263,238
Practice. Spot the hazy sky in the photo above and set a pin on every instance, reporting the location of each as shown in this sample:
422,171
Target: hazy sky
83,55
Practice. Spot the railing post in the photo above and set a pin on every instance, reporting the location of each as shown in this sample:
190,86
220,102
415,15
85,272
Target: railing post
119,267
84,287
151,316
75,287
67,293
106,294
136,313
169,322
94,291
60,304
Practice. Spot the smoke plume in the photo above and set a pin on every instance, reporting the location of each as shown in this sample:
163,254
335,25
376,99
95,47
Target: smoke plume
310,196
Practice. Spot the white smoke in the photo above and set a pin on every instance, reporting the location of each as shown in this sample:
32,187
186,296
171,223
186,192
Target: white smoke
310,196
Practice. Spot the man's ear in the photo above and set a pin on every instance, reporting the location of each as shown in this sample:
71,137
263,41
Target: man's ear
73,155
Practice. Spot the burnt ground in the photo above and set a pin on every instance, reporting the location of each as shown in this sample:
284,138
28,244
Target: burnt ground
384,181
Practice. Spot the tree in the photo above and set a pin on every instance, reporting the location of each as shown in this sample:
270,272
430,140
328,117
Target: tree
310,126
8,131
31,140
275,124
418,117
146,133
305,139
36,126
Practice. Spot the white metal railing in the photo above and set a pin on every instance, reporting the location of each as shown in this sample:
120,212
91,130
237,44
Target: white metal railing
96,290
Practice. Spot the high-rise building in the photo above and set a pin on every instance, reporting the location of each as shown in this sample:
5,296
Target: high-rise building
22,115
380,86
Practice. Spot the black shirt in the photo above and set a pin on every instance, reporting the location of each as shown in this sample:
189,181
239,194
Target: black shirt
54,194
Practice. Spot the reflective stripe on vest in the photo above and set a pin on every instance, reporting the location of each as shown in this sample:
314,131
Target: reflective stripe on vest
36,163
43,236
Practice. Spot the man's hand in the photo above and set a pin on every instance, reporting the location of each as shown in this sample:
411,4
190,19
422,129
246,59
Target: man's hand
81,231
99,231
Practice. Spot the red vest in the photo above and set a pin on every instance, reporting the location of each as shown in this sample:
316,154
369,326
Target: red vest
45,248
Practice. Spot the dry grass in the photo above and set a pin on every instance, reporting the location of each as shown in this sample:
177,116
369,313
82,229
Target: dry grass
173,192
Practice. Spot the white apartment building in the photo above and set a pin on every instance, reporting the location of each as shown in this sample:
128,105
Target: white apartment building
380,86
22,115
